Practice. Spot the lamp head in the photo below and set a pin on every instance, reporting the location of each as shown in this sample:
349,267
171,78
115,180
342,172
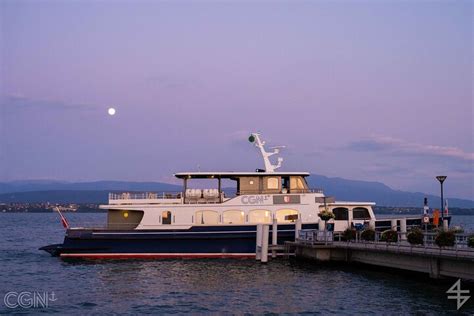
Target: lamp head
441,178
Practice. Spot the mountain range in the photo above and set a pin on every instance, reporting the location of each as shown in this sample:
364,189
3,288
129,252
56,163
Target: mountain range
97,192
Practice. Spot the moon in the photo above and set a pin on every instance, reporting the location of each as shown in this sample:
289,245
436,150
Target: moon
111,111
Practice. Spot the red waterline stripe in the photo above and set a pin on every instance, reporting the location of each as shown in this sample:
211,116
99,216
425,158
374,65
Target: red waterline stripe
155,255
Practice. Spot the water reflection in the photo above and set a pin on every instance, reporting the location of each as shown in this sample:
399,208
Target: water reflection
204,286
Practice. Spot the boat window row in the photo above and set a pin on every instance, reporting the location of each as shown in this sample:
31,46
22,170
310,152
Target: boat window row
208,217
359,213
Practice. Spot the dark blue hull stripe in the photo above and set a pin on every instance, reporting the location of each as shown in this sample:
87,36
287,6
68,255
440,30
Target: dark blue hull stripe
240,240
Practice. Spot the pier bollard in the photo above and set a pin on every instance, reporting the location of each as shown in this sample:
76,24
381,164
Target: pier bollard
258,246
320,225
274,237
403,229
297,228
372,224
394,225
265,232
445,225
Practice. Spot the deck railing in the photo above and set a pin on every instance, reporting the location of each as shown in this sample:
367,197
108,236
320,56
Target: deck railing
178,195
276,191
144,195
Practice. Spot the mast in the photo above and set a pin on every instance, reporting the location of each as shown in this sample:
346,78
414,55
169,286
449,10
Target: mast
260,144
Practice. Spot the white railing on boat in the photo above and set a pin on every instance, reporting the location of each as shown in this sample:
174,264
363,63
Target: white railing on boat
144,195
202,193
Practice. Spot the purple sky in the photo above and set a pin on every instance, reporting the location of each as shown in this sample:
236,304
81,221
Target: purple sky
369,90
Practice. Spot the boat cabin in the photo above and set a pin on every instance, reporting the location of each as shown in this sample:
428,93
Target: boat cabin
246,183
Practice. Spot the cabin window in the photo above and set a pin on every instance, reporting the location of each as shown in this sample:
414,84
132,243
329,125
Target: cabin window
124,219
206,217
260,216
249,185
341,214
166,217
272,183
297,184
286,216
233,217
360,213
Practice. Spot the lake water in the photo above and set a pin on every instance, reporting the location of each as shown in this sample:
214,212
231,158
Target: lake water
204,286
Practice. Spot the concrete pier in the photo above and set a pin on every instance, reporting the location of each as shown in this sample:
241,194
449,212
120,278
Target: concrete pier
264,254
436,262
258,242
403,229
431,260
274,237
298,226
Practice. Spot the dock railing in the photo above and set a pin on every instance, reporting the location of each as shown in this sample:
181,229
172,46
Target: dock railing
429,247
314,236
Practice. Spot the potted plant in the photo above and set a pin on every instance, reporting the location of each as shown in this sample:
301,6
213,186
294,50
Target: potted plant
470,241
349,234
389,236
445,238
415,236
368,235
326,215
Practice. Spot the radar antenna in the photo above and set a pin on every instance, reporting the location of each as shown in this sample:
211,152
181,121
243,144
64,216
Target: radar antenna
269,167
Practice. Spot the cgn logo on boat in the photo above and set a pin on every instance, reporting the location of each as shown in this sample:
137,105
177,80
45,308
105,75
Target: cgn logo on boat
254,199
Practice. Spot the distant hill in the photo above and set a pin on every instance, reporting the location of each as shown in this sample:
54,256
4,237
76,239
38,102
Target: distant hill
383,195
97,192
81,192
56,196
44,185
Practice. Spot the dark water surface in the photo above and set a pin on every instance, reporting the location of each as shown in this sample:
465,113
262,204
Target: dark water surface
203,286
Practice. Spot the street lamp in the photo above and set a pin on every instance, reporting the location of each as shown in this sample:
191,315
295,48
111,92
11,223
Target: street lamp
441,180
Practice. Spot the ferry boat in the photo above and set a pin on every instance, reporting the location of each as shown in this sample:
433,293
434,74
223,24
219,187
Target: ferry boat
210,222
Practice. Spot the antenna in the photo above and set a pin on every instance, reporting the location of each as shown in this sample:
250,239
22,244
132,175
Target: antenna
269,167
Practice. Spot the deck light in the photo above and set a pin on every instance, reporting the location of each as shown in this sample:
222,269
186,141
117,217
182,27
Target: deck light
251,138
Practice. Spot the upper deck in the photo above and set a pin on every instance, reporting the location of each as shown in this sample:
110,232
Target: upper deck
247,183
234,174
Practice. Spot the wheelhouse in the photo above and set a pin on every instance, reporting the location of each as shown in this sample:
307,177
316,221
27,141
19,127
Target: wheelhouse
246,183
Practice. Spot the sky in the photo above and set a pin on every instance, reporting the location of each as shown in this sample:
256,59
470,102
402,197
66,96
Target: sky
367,90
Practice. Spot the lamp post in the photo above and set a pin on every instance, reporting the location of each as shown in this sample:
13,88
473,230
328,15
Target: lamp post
441,180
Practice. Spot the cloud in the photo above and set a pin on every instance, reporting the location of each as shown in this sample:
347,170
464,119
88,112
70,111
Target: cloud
170,81
399,146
